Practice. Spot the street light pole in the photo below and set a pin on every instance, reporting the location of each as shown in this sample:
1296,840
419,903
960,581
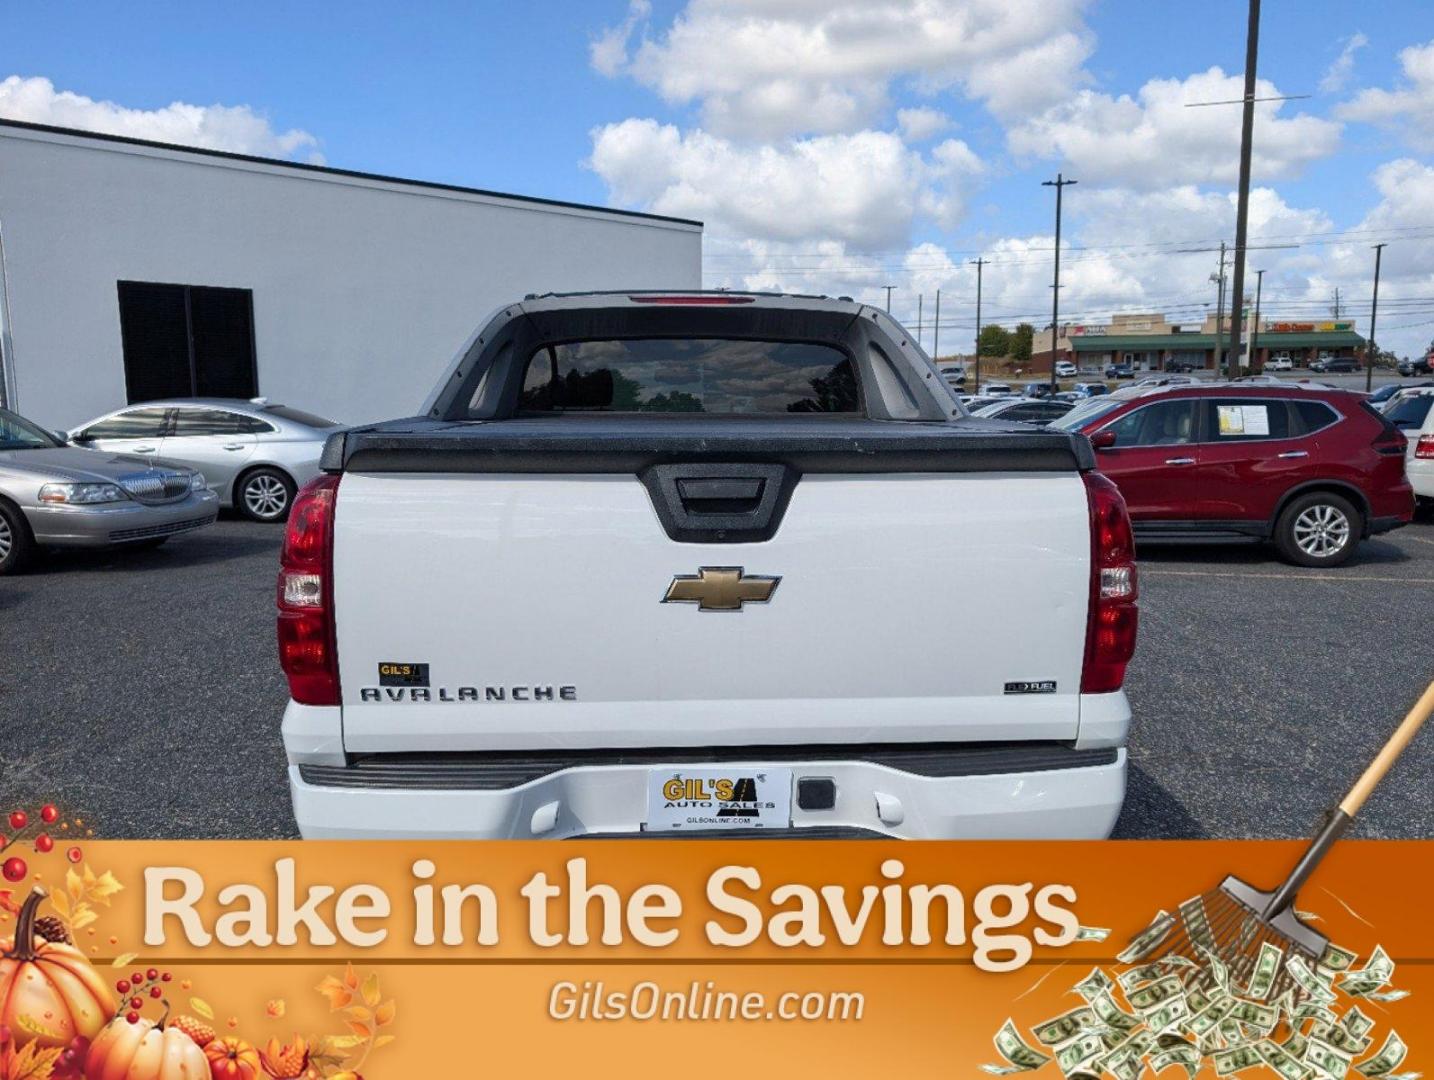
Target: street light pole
979,262
1372,351
1059,183
1242,204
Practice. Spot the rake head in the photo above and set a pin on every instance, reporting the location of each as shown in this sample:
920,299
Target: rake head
1231,924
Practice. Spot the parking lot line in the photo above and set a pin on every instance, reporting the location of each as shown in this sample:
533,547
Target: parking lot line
1348,578
1418,540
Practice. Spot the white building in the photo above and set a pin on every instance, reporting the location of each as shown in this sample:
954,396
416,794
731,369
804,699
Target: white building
132,270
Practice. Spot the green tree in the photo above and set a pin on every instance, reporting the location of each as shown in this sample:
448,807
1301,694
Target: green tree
1021,342
994,341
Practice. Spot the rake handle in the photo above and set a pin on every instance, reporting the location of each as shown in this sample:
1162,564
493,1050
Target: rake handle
1350,805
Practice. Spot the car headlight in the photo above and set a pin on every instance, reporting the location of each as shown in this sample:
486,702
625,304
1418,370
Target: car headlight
81,494
198,483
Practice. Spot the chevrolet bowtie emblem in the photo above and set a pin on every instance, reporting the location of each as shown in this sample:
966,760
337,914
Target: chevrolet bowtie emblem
720,588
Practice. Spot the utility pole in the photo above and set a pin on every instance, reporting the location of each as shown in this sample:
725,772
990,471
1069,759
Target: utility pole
979,262
919,298
1371,350
1058,183
1335,307
1219,280
888,289
936,329
1242,204
1255,325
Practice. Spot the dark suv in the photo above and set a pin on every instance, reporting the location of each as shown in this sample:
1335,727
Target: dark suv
1313,470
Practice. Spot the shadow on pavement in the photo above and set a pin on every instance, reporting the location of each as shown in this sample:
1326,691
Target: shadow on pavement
182,551
1376,552
1152,813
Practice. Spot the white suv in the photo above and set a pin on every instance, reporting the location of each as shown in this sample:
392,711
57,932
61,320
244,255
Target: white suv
1412,412
1280,362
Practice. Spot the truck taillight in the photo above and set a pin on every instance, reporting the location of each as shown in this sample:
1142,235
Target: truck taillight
1112,615
306,596
1424,448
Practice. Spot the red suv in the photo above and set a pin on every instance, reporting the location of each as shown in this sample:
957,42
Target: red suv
1313,470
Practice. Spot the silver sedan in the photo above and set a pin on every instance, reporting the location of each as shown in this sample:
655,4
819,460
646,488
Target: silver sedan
254,454
53,494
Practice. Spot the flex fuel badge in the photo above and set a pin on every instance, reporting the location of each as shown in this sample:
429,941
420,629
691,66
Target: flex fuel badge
395,674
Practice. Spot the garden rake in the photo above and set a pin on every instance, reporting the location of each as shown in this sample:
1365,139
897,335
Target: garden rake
1232,922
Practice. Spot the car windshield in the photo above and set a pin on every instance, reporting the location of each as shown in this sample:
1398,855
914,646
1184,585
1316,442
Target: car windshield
1085,412
298,416
17,433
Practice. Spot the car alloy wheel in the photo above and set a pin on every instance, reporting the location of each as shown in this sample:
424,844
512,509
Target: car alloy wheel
266,497
1322,531
7,539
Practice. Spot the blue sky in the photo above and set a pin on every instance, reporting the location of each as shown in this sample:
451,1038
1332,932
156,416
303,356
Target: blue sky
780,123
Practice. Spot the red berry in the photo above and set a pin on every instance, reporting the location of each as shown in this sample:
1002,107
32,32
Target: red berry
152,974
132,1017
165,977
137,978
74,854
155,991
15,868
44,843
49,813
136,1003
19,819
122,986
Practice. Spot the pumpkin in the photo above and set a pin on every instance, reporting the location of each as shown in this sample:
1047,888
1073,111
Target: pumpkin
49,994
231,1058
144,1050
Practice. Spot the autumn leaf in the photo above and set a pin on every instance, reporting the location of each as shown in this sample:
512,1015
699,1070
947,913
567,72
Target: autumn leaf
359,1013
33,1063
74,885
123,959
384,1014
351,979
371,993
276,1008
7,902
84,915
102,888
202,1007
363,1031
61,903
383,1040
337,993
340,1042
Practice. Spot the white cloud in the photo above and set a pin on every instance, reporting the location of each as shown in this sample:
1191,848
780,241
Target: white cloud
1408,109
863,189
1338,73
236,128
922,123
1153,140
608,51
773,68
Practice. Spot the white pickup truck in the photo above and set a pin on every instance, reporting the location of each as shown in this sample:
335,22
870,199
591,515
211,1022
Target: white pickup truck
706,563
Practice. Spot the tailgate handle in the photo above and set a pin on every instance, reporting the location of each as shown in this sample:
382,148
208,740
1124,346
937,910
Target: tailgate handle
721,495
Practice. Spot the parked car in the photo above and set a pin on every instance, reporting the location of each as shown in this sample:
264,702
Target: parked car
254,454
767,560
973,402
1036,390
1166,380
1091,389
1380,398
1038,411
1327,365
1421,365
1120,371
1257,380
1412,412
1182,366
1065,369
956,376
996,389
61,496
1312,470
1280,362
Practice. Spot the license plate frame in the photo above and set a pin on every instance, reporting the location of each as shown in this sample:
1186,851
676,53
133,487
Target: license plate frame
719,797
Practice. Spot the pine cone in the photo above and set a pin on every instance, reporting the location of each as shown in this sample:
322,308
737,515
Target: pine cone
52,929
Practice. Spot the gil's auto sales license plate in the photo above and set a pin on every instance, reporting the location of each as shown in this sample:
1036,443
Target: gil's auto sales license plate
731,797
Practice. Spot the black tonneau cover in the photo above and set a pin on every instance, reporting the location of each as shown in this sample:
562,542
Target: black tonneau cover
629,444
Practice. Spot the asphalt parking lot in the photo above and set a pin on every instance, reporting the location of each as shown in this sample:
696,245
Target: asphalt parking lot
140,689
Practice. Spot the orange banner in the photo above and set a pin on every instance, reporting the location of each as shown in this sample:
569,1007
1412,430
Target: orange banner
847,958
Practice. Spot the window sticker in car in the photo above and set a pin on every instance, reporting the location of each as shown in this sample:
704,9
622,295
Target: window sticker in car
1244,420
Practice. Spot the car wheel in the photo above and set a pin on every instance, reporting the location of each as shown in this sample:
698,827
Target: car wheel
16,544
1318,529
264,495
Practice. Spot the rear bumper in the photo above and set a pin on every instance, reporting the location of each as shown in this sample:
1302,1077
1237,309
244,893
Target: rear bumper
1421,476
122,522
1069,794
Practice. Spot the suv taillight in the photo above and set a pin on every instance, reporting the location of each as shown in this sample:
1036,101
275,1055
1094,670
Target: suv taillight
1112,616
306,596
1424,448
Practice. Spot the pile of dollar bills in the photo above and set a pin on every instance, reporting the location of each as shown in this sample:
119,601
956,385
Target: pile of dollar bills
1192,1011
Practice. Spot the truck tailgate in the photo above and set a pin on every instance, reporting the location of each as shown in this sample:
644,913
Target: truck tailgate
518,610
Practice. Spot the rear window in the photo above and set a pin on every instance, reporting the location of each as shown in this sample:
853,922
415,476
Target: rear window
690,375
1411,411
298,416
1314,415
